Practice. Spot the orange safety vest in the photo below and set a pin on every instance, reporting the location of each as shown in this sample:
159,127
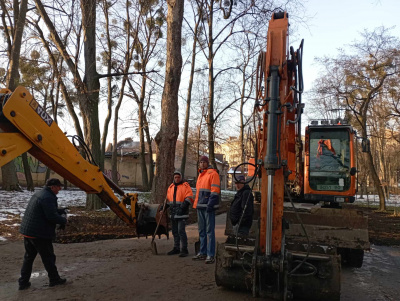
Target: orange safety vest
183,194
207,189
328,145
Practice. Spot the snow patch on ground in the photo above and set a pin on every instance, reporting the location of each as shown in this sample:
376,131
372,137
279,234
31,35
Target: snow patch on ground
14,203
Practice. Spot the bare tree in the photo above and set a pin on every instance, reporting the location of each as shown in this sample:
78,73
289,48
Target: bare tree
169,130
13,33
193,31
219,25
88,87
357,81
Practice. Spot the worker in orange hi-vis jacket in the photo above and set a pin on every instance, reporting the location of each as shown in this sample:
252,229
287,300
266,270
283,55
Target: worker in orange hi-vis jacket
206,202
179,198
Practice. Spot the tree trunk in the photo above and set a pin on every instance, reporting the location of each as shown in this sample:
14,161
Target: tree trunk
211,120
8,171
377,182
241,139
27,172
188,100
151,162
109,89
9,176
47,175
114,155
169,130
92,85
145,180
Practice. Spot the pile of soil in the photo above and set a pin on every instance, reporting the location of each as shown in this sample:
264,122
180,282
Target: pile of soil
87,226
383,227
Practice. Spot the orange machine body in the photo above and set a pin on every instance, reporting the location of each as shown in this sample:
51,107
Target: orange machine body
277,55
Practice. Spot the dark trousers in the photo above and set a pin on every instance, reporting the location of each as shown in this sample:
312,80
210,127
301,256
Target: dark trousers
44,247
179,233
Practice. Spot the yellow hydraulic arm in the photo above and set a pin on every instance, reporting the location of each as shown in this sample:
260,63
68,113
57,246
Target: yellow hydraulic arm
26,127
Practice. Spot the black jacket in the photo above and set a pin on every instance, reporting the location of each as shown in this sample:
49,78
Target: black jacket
41,215
241,197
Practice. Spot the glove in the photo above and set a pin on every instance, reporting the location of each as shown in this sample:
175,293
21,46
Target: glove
184,206
63,211
179,211
210,209
162,207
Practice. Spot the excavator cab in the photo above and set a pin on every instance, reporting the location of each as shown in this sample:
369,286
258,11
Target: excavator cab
329,171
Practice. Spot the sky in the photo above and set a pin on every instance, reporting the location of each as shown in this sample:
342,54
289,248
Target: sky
336,24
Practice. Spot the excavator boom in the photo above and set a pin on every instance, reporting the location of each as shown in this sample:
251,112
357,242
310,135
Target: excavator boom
27,127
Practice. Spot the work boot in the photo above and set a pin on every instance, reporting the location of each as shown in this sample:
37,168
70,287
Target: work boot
173,251
199,257
57,282
24,286
210,259
184,253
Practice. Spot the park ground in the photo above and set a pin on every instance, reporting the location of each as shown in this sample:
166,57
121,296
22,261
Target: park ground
102,260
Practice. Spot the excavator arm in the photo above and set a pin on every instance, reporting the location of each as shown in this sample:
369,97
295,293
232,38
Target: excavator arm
26,127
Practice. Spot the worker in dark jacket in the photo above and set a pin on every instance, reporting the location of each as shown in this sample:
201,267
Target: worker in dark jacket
38,228
242,208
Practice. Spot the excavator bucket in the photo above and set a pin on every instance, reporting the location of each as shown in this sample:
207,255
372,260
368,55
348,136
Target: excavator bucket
344,229
312,263
151,222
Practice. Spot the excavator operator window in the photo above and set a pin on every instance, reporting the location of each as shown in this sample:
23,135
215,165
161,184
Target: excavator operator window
329,159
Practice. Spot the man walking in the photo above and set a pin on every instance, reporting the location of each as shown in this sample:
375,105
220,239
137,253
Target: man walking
206,202
179,198
38,228
242,207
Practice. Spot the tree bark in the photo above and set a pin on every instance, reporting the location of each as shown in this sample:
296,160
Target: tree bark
189,99
377,182
8,171
151,162
169,130
210,119
114,155
92,87
27,172
109,88
145,179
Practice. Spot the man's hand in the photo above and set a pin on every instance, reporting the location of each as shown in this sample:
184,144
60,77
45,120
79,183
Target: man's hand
162,207
210,209
179,211
184,206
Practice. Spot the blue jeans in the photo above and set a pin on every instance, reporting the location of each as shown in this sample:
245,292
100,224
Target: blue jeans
206,221
179,233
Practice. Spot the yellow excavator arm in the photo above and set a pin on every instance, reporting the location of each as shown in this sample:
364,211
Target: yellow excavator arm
28,128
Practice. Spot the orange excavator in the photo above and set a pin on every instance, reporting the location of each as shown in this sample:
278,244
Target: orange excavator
301,230
26,127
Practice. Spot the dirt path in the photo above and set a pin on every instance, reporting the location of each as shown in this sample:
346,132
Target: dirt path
125,269
122,269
